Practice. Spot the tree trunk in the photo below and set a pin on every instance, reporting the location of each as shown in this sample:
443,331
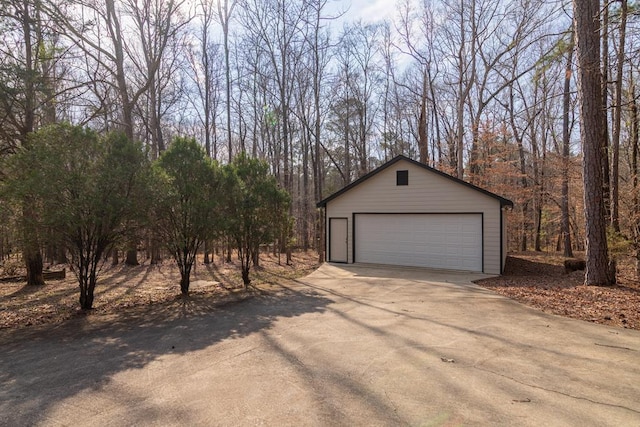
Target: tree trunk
33,262
538,241
617,118
305,193
523,170
347,124
206,252
423,142
566,141
185,277
207,80
245,276
635,147
224,16
31,251
155,252
87,288
255,257
586,13
132,257
466,77
61,254
115,260
127,104
317,161
604,81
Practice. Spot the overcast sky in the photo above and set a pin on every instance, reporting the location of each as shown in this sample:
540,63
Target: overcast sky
367,10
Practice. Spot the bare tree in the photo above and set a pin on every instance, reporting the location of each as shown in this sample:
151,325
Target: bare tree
635,152
279,29
132,63
592,131
319,44
26,97
159,25
606,148
206,67
462,46
566,149
224,14
417,30
617,119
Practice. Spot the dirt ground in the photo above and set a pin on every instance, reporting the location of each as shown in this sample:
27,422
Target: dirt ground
136,289
534,279
539,280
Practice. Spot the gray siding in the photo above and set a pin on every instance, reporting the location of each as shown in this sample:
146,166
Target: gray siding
504,240
427,192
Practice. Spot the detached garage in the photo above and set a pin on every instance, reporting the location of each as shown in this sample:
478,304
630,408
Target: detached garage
409,214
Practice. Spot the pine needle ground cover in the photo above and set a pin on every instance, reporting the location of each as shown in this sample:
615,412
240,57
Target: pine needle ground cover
539,280
127,291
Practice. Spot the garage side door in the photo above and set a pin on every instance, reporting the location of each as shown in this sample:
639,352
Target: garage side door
338,239
446,241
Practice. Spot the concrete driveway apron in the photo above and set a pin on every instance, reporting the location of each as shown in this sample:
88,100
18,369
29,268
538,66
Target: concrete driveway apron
347,345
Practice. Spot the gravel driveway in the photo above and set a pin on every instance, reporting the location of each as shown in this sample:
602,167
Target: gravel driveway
347,345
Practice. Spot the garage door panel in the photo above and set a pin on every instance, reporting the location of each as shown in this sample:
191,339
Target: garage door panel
448,241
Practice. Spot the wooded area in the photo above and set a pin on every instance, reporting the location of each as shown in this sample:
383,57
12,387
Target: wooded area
482,89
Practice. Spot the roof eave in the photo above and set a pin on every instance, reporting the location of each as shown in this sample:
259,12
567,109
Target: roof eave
323,203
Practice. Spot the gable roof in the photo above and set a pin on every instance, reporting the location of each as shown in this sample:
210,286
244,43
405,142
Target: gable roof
323,203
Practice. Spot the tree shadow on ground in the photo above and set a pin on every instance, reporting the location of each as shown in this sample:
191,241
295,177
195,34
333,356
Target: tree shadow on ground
27,290
225,277
47,365
131,277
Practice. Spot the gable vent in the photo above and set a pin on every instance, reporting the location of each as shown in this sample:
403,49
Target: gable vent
402,177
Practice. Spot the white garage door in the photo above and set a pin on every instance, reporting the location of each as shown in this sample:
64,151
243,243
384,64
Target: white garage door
447,241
